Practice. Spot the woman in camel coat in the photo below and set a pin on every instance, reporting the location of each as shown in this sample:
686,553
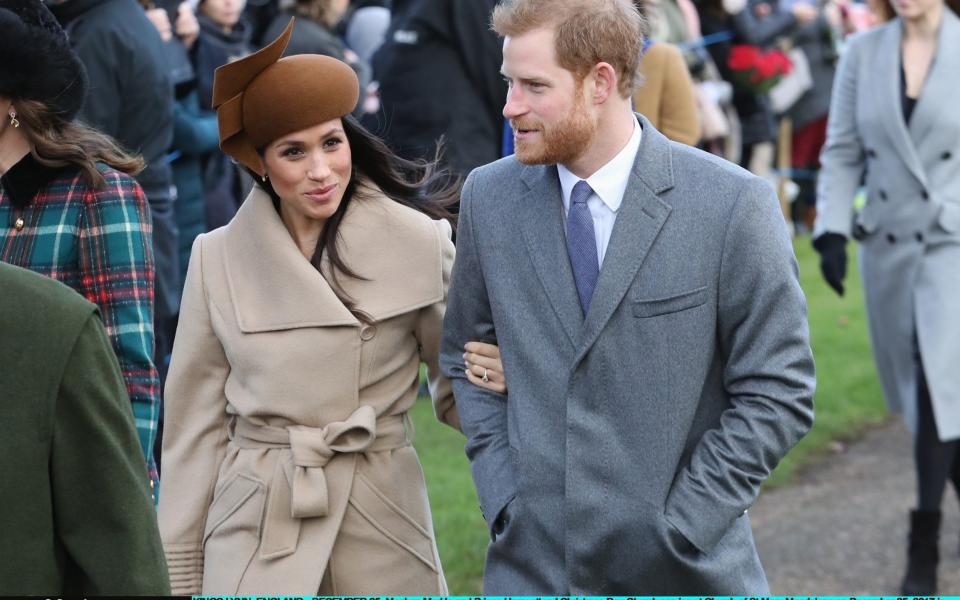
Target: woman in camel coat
666,94
288,465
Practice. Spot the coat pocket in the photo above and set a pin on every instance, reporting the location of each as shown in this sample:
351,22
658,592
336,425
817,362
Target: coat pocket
392,521
949,218
663,306
864,225
232,534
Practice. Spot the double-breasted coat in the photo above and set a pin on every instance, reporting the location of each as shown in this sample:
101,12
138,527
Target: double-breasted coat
287,459
909,228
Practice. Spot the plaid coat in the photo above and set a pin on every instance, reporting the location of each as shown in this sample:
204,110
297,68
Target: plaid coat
98,243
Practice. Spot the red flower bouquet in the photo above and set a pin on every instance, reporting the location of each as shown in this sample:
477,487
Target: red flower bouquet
756,70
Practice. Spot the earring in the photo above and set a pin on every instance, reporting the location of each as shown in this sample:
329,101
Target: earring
13,119
264,178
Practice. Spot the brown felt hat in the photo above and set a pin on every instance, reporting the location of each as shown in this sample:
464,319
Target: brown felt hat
263,97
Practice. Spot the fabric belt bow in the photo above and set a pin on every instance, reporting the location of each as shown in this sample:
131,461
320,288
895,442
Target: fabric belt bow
305,493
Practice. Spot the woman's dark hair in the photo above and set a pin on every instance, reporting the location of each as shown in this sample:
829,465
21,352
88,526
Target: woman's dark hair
420,185
56,143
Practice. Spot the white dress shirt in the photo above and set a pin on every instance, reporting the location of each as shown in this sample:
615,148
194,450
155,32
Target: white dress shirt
608,184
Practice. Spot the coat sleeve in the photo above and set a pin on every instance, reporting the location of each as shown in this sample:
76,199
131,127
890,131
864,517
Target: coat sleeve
768,375
842,156
483,413
195,432
117,274
101,495
678,112
429,330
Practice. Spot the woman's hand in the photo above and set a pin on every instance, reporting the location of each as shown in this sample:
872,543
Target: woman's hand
483,366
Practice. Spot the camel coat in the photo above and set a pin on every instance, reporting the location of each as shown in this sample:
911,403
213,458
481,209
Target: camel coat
666,95
287,464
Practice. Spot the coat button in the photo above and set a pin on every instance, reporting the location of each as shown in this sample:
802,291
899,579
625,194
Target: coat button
18,224
883,195
871,153
946,155
925,195
891,238
367,332
919,236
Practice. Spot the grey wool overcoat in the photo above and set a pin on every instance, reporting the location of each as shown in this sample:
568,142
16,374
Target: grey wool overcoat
909,229
632,441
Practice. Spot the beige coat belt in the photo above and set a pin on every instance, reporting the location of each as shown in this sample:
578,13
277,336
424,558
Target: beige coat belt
307,451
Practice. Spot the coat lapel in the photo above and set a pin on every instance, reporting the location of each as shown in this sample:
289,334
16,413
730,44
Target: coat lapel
888,65
272,285
544,232
639,220
941,80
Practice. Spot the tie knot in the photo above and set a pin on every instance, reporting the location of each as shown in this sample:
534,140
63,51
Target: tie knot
581,192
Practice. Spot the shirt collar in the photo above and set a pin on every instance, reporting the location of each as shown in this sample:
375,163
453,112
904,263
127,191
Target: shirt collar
24,179
610,181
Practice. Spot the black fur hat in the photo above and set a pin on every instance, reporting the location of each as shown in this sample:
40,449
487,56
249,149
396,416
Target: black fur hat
36,61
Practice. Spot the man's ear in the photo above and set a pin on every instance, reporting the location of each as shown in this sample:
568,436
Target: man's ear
605,82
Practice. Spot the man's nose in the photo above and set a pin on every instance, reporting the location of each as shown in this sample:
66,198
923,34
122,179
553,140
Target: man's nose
515,105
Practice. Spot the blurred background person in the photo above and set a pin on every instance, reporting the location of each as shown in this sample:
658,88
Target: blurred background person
439,76
77,515
131,100
69,206
367,26
893,123
224,37
194,137
753,24
665,95
314,32
817,40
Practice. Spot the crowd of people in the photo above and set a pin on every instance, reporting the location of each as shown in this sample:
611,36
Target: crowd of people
260,199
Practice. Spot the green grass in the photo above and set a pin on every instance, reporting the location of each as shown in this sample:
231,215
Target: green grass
848,400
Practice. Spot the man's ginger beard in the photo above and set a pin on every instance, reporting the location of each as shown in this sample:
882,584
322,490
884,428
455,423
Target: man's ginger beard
560,143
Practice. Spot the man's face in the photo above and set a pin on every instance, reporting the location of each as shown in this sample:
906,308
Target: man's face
546,103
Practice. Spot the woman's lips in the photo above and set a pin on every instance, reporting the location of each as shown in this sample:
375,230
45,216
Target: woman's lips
324,194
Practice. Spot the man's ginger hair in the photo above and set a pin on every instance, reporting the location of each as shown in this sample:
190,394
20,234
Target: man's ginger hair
587,32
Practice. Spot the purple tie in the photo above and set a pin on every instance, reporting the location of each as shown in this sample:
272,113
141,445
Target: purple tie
582,244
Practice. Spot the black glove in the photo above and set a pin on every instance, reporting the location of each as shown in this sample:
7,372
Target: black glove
833,259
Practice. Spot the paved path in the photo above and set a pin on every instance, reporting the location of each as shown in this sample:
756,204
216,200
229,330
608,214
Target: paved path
841,528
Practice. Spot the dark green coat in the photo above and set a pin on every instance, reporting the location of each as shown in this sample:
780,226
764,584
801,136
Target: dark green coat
75,509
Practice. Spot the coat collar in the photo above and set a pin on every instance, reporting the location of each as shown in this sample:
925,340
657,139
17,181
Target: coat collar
941,79
25,179
274,287
641,216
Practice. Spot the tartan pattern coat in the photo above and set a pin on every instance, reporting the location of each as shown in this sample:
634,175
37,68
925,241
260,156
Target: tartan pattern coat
98,243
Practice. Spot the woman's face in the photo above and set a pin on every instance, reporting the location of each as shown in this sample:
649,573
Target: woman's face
915,9
225,13
336,9
310,169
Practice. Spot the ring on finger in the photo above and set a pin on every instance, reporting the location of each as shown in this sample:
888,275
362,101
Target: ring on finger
485,377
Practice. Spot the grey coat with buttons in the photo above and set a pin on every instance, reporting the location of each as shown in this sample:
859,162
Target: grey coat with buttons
909,228
632,439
